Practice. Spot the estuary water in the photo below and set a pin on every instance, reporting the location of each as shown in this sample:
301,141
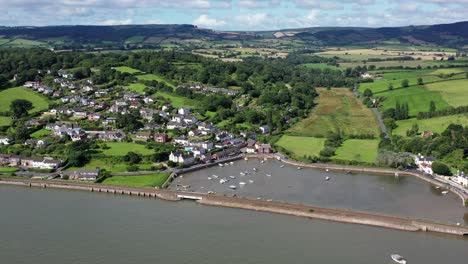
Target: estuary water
46,226
402,196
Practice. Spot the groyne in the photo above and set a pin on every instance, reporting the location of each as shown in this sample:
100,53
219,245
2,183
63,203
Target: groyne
343,216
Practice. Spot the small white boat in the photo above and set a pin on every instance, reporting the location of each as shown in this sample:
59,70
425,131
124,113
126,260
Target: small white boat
202,187
246,158
268,175
226,164
222,181
241,173
220,164
186,186
299,168
210,192
214,176
251,181
444,192
327,170
282,166
262,161
209,178
232,177
398,259
241,183
233,187
327,178
437,187
232,163
254,169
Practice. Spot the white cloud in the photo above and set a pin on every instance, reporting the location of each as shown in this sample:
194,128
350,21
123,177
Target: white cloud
252,20
110,22
205,20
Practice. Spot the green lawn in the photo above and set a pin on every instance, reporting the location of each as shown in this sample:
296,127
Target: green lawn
435,125
364,150
109,165
176,100
136,87
154,77
8,169
9,95
320,66
126,69
122,148
453,92
151,180
5,121
337,109
417,97
41,133
302,146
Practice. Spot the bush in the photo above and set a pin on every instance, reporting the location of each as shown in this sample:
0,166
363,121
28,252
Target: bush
441,168
327,152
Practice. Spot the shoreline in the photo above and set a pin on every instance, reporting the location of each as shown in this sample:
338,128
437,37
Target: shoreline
312,212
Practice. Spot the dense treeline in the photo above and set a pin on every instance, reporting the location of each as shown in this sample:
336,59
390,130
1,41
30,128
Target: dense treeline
450,147
444,112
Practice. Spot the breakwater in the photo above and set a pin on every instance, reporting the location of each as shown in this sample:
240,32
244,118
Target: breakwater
344,216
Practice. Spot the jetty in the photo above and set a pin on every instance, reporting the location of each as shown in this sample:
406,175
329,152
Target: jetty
313,212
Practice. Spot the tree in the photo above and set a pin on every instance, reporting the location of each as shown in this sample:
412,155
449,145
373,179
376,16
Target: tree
78,158
432,107
441,168
405,83
368,93
132,158
420,81
20,108
390,86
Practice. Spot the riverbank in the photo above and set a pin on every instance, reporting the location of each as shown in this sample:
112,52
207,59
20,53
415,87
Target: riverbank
343,216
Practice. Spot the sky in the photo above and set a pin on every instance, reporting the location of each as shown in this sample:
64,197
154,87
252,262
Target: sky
244,15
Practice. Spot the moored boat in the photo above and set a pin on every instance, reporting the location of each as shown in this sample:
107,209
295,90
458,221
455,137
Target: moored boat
233,187
398,259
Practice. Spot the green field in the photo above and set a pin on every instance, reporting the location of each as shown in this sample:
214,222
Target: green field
418,99
435,125
41,133
395,78
126,69
9,95
8,169
178,101
302,146
25,43
136,87
109,165
364,150
455,92
337,109
154,77
122,148
151,180
320,66
5,121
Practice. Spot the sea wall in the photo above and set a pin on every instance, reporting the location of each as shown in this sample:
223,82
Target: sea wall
343,216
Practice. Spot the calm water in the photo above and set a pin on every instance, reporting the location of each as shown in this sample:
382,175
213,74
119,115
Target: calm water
404,196
54,227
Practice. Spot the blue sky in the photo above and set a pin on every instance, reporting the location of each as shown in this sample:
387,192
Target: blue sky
234,14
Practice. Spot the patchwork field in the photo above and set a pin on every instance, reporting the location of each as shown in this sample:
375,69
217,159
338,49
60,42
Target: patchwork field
453,92
154,77
176,100
337,109
151,180
41,133
126,69
5,121
136,87
435,125
109,165
302,146
418,99
9,95
320,66
364,150
122,148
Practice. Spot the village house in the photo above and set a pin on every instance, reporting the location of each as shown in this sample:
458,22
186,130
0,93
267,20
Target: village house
226,153
78,137
4,140
184,111
367,75
161,138
263,148
424,164
116,135
264,129
181,158
148,100
427,134
35,122
39,163
144,135
94,117
208,145
174,125
9,160
461,178
109,121
250,148
82,175
78,113
183,140
37,143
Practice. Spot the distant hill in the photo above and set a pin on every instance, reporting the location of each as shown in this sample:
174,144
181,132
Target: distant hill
450,35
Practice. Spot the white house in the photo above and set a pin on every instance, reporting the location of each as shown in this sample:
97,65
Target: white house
181,158
5,140
424,163
184,111
264,129
461,179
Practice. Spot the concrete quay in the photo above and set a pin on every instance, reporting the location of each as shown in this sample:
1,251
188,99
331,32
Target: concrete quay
343,216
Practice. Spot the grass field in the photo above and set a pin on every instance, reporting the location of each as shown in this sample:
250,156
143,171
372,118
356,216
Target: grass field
151,180
109,165
41,133
455,92
337,108
25,43
302,146
5,121
320,66
126,69
8,169
154,77
436,124
418,99
136,87
122,148
9,95
178,101
364,150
